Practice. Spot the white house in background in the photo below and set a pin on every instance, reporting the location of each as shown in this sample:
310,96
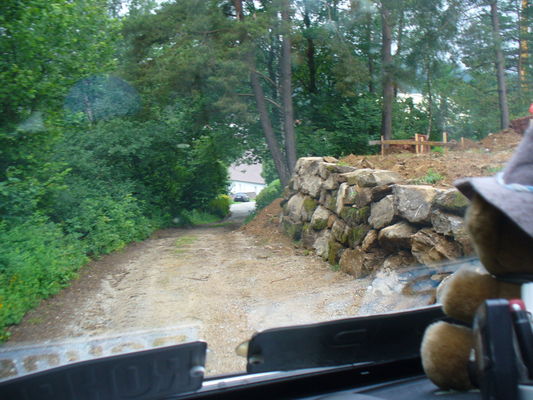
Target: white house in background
246,178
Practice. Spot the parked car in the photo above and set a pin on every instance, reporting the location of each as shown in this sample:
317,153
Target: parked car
241,197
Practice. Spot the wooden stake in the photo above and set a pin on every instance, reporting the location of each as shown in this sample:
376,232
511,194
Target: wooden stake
382,147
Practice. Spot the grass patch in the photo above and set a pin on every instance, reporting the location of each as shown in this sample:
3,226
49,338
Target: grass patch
198,217
430,178
336,268
184,240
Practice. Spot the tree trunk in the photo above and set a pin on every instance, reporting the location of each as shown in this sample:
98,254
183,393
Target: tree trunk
275,151
370,57
430,97
388,84
500,65
310,51
264,117
523,50
401,25
286,87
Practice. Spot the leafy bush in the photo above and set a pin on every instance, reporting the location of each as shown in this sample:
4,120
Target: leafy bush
220,205
36,260
106,224
268,194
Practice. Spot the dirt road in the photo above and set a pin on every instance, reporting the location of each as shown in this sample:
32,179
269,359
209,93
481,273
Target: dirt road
216,284
219,284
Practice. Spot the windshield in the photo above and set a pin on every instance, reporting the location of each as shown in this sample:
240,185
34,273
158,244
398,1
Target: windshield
205,170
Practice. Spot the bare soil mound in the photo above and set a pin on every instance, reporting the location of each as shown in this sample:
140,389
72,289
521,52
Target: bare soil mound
482,158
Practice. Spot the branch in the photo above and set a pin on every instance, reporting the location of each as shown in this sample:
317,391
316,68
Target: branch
266,78
266,98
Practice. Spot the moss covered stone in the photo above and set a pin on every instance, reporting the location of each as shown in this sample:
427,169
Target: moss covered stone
357,235
334,252
319,224
310,205
331,203
355,216
293,230
452,200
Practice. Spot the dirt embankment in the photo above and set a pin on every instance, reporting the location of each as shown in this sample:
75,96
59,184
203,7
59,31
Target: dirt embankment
476,159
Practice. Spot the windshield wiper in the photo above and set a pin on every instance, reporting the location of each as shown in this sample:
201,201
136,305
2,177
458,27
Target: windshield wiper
376,338
144,375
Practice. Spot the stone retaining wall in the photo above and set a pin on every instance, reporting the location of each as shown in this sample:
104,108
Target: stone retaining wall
365,219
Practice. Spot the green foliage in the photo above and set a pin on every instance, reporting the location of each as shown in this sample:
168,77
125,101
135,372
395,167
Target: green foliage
268,194
106,224
220,205
36,260
196,217
431,177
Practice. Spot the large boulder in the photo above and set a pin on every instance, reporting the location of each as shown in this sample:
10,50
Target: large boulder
356,235
371,177
326,169
330,200
335,250
397,236
321,244
320,217
339,231
291,228
345,196
383,212
452,200
293,208
380,192
307,165
370,241
429,247
401,259
311,185
359,263
309,236
447,224
308,208
414,202
355,216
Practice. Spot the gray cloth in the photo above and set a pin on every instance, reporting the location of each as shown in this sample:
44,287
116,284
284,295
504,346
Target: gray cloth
512,190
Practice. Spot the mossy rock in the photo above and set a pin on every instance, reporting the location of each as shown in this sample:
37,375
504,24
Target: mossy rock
293,230
453,201
355,216
357,235
332,203
319,224
310,205
334,250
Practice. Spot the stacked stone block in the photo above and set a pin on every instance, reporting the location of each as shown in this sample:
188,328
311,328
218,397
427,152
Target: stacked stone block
365,219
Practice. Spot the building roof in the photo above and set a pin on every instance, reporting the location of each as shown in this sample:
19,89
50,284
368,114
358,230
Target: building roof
246,173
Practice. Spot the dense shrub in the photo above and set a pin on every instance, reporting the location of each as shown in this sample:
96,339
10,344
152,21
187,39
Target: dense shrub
220,205
106,224
36,260
268,194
